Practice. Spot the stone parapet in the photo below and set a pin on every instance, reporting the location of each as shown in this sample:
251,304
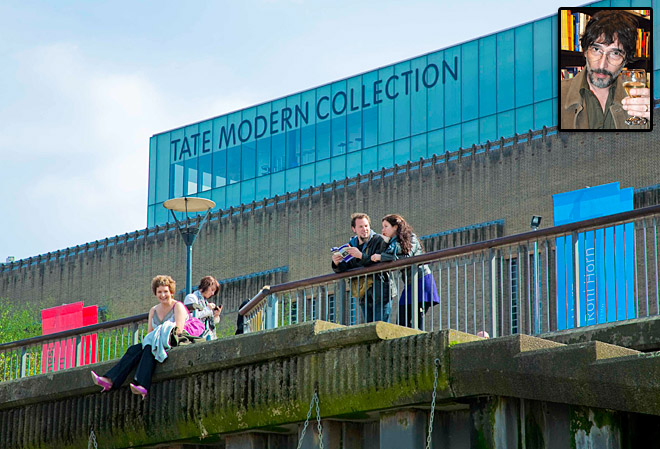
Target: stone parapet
265,381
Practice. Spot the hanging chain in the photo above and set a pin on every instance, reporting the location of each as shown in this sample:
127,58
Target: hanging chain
315,399
435,387
92,440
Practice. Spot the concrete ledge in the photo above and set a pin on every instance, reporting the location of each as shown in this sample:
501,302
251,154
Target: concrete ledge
641,334
234,351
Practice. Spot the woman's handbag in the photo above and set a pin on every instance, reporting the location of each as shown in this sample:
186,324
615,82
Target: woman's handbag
194,326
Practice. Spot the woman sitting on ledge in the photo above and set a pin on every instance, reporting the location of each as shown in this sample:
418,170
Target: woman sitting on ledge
165,316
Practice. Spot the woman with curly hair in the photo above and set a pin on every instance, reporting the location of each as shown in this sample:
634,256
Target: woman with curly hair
402,242
165,316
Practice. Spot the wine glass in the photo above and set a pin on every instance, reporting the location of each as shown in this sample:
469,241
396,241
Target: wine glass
634,79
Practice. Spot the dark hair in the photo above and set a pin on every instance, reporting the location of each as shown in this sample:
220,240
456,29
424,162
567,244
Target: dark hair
209,281
358,215
403,231
162,280
611,25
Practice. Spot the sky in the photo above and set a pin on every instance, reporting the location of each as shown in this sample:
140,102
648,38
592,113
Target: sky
85,84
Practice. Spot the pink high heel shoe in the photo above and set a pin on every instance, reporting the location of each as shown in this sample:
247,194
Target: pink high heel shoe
101,382
139,389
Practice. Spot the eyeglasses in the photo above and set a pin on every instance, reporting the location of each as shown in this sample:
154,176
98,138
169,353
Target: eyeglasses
596,52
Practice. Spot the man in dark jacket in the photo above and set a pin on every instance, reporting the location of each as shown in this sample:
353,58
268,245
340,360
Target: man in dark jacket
373,290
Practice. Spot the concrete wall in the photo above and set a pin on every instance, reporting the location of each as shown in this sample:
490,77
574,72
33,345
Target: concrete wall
510,184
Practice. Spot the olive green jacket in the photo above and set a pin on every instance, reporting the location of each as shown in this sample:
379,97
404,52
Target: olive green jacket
573,114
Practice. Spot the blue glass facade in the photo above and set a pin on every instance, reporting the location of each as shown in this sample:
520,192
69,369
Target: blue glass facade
480,90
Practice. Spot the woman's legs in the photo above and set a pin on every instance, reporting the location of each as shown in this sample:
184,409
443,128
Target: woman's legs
118,373
135,355
145,368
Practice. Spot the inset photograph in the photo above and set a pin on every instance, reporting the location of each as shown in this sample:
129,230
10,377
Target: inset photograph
606,68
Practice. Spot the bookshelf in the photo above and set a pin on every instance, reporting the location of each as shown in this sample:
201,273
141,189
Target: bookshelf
572,24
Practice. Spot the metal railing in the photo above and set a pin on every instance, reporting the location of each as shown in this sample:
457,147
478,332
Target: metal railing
71,348
574,275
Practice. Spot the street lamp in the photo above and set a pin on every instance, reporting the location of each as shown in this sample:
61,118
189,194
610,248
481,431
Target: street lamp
189,231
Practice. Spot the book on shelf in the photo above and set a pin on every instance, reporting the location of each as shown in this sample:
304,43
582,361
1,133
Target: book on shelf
573,25
570,72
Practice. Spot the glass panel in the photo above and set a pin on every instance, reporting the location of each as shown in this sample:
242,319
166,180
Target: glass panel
418,110
233,195
323,172
524,119
470,133
248,160
233,165
524,65
385,155
219,168
293,179
247,191
163,168
369,160
307,176
453,138
205,173
277,184
452,79
339,105
153,156
385,107
162,215
401,151
219,196
398,89
277,148
543,60
488,129
369,110
338,168
436,142
190,180
554,73
417,147
505,91
354,114
291,121
151,216
322,110
308,129
543,114
487,75
470,80
293,148
354,164
177,176
263,156
505,124
263,187
436,95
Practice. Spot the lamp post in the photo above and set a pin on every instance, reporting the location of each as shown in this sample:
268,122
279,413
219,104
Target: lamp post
189,232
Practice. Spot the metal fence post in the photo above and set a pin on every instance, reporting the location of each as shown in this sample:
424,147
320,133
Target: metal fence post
135,330
414,301
493,290
272,307
79,351
340,301
23,369
576,280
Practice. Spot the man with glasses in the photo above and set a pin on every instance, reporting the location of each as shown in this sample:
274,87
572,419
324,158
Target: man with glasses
595,97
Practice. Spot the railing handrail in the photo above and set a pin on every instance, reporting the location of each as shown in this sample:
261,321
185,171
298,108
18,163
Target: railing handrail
583,226
77,331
